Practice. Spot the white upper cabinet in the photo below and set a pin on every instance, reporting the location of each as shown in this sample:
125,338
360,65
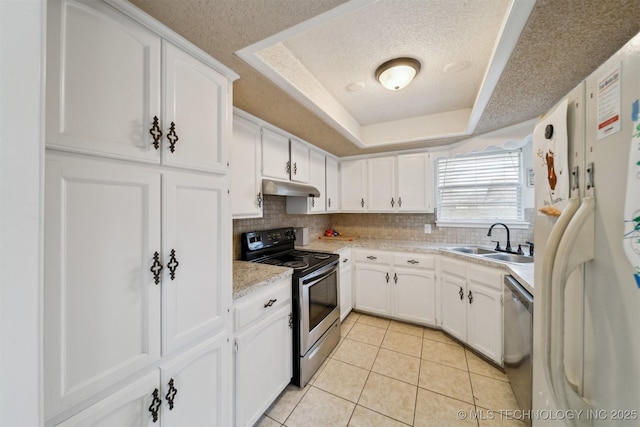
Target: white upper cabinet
103,82
300,161
106,76
353,185
382,184
275,155
332,180
246,182
317,177
196,109
415,183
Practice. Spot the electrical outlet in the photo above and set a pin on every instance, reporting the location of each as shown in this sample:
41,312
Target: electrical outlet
427,228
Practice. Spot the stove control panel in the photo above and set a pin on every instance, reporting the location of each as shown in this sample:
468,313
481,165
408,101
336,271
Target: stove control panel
256,240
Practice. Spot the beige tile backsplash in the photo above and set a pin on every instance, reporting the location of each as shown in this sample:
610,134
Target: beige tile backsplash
385,226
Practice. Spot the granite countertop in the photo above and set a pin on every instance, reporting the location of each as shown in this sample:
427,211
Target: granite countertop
248,276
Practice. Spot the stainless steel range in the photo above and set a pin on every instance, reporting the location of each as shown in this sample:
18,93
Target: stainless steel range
315,291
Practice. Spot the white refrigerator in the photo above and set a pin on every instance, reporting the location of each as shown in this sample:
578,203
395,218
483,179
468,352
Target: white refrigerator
586,358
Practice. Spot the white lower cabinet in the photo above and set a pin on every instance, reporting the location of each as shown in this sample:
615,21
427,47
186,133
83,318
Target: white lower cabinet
472,306
398,285
263,350
188,391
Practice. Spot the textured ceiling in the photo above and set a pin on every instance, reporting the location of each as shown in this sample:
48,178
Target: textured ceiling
562,43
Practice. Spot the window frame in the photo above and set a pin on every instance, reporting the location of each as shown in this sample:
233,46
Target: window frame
516,223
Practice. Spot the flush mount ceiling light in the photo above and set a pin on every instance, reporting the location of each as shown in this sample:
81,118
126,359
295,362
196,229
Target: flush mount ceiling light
397,73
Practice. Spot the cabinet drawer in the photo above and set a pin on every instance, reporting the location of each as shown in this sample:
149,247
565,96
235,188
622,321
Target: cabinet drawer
345,258
453,268
263,303
376,257
414,260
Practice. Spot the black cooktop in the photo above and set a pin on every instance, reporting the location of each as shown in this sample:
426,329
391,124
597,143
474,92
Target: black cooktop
276,247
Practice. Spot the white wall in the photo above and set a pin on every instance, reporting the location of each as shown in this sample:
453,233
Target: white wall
21,159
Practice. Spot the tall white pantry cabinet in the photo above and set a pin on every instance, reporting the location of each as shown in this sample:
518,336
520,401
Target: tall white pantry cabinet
138,219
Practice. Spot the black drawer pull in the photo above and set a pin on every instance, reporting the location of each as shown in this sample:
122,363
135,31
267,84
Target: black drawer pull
413,261
371,257
270,303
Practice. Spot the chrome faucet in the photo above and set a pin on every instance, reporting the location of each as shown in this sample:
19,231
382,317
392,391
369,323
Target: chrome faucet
508,248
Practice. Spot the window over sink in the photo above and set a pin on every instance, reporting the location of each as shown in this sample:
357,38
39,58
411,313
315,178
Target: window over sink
480,188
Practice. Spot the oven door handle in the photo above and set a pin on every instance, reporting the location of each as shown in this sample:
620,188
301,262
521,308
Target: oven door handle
320,274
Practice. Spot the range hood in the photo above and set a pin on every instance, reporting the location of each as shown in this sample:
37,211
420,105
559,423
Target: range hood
286,188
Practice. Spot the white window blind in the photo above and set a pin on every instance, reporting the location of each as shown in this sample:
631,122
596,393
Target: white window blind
480,187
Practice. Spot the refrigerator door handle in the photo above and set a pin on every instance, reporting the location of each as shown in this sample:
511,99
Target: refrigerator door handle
576,247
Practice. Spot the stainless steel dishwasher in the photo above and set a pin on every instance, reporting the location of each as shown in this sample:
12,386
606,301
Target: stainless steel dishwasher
518,340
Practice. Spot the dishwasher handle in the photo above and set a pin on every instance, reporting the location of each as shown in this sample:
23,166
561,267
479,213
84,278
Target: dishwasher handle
519,292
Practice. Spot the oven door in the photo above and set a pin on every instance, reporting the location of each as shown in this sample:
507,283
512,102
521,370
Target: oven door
319,304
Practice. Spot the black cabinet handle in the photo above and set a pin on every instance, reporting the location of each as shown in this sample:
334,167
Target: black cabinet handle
287,167
395,277
295,168
171,394
329,201
387,277
156,133
392,202
154,408
345,260
270,303
470,297
461,293
313,202
259,200
173,264
399,202
413,261
156,267
371,257
172,136
362,203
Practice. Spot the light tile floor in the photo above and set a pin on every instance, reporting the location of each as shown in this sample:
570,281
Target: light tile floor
388,373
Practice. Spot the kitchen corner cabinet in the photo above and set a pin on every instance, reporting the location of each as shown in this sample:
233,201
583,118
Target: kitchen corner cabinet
353,185
332,183
397,285
263,350
246,182
118,90
472,306
108,259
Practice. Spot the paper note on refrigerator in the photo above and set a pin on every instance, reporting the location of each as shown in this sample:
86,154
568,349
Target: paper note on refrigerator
632,200
550,147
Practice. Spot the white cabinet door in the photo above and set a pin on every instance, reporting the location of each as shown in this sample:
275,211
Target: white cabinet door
372,288
454,310
195,387
382,184
263,365
415,183
300,162
196,282
246,183
353,179
126,407
101,302
103,82
415,295
346,288
275,155
332,185
484,325
317,179
196,113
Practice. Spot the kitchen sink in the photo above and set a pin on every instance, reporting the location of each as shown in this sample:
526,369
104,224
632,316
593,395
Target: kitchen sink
501,256
476,250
